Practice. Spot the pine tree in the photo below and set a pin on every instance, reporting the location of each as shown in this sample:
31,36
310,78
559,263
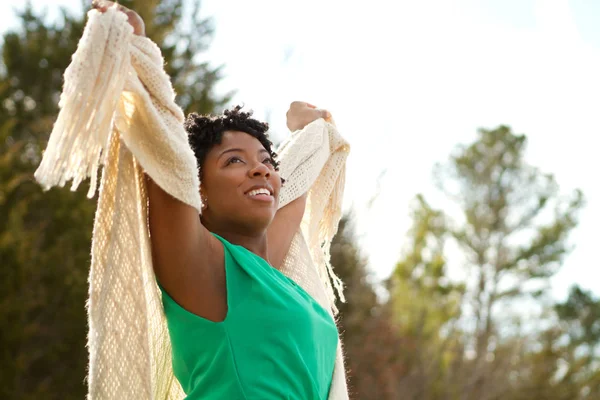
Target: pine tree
513,232
510,231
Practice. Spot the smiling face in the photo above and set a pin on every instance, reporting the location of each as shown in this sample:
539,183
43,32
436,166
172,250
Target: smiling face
240,185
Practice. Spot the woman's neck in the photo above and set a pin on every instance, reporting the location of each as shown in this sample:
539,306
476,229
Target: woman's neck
255,242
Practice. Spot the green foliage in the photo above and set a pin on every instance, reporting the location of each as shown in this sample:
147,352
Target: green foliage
419,286
563,362
45,237
579,318
581,315
426,305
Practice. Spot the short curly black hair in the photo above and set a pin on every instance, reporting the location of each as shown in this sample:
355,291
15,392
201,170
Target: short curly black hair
206,131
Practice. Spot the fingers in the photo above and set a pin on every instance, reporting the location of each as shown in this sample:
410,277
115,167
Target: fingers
297,105
306,112
324,114
133,18
103,5
99,5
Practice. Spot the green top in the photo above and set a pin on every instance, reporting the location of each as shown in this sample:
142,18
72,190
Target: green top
276,341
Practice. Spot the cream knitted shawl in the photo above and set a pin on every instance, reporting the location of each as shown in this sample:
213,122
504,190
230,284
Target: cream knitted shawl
118,111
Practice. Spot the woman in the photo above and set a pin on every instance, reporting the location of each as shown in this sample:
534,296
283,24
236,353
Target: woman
239,328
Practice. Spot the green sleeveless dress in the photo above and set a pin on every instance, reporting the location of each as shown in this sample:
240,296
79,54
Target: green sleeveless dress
276,341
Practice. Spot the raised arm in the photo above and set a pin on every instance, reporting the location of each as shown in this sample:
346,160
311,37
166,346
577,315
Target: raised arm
187,259
294,194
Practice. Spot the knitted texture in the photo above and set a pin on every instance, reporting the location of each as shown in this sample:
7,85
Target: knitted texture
118,111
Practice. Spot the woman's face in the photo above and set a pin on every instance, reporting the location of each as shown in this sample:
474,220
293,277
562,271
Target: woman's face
240,185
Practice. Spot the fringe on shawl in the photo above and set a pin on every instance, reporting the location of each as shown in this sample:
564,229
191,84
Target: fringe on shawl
94,82
328,229
324,214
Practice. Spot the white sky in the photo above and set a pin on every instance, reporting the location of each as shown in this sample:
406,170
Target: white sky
407,81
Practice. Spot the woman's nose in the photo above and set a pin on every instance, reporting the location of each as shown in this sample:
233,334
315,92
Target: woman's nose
260,169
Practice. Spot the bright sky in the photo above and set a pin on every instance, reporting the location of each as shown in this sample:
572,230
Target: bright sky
407,81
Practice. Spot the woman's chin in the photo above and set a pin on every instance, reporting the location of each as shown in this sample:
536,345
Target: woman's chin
260,217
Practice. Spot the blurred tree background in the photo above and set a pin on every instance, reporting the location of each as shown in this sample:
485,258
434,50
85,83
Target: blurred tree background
489,330
495,333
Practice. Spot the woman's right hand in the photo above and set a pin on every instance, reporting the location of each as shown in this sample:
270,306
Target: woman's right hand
139,28
301,114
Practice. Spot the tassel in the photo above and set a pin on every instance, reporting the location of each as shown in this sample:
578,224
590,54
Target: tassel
93,84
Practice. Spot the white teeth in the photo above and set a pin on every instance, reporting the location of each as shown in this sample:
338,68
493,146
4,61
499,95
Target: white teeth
258,191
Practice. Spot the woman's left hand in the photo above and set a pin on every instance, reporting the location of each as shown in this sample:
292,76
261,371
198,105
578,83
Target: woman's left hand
301,114
139,28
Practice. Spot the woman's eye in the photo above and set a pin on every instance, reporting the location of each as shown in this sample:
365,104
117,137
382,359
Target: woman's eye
233,160
269,160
